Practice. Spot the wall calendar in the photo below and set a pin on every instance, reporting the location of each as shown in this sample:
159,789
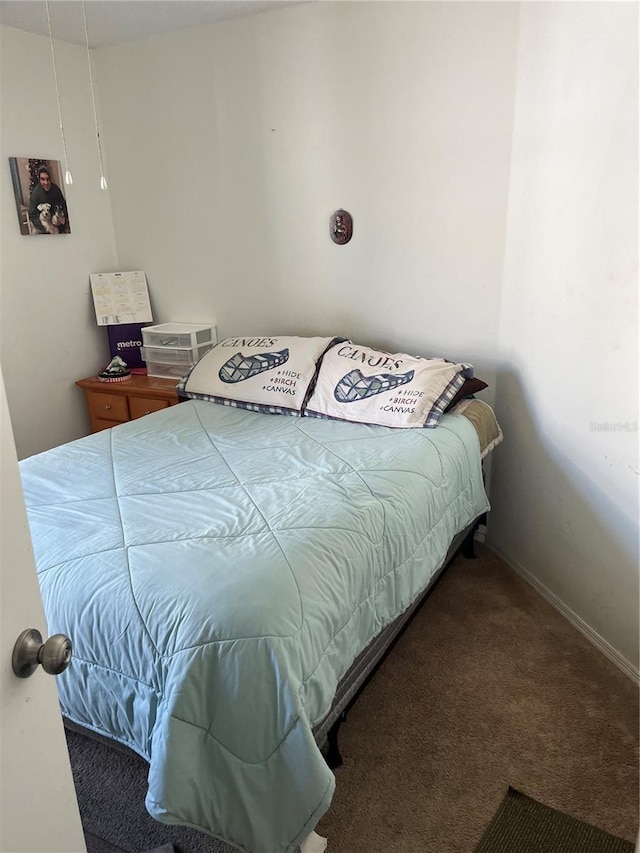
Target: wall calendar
120,297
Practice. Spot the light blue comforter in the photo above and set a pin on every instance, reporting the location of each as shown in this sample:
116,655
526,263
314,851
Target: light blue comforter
218,570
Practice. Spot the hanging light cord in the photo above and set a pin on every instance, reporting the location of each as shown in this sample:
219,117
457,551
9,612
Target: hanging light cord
103,180
67,175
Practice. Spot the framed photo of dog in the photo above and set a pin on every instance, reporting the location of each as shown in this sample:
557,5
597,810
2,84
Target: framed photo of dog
40,201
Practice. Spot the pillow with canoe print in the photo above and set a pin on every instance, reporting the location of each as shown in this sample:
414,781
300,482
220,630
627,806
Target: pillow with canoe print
356,383
261,373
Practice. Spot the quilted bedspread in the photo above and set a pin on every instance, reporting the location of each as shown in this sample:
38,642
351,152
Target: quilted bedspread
218,570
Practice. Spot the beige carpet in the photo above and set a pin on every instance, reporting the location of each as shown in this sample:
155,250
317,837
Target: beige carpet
489,687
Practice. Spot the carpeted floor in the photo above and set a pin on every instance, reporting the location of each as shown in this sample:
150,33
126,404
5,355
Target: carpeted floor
98,845
489,688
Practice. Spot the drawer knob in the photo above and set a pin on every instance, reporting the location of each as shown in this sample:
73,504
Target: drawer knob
148,412
108,406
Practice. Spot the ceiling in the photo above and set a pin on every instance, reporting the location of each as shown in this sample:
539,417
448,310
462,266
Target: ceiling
115,21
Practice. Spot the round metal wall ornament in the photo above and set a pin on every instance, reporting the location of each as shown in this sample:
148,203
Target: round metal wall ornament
341,227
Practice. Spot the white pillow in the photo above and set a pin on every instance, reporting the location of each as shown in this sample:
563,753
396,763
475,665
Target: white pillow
264,374
356,383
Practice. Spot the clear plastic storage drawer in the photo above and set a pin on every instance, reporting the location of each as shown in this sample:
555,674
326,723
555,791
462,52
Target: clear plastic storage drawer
174,355
163,370
178,335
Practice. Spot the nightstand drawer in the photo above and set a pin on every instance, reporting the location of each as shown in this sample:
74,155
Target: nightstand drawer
108,407
139,406
116,403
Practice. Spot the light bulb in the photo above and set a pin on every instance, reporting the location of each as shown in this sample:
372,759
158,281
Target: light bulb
67,177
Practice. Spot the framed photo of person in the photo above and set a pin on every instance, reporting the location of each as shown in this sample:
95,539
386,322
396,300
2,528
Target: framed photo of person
40,201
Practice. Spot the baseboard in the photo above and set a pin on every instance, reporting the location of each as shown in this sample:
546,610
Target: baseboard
586,630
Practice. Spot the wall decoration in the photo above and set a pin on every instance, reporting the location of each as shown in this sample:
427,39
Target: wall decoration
340,227
40,202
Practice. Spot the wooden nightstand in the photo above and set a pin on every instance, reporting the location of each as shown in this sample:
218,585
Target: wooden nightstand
113,403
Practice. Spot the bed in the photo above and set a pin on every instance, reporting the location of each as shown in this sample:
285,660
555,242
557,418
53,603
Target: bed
226,577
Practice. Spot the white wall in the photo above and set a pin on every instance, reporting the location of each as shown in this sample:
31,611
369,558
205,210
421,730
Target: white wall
230,146
48,333
565,498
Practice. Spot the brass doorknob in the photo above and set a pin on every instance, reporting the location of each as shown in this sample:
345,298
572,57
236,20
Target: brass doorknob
29,652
